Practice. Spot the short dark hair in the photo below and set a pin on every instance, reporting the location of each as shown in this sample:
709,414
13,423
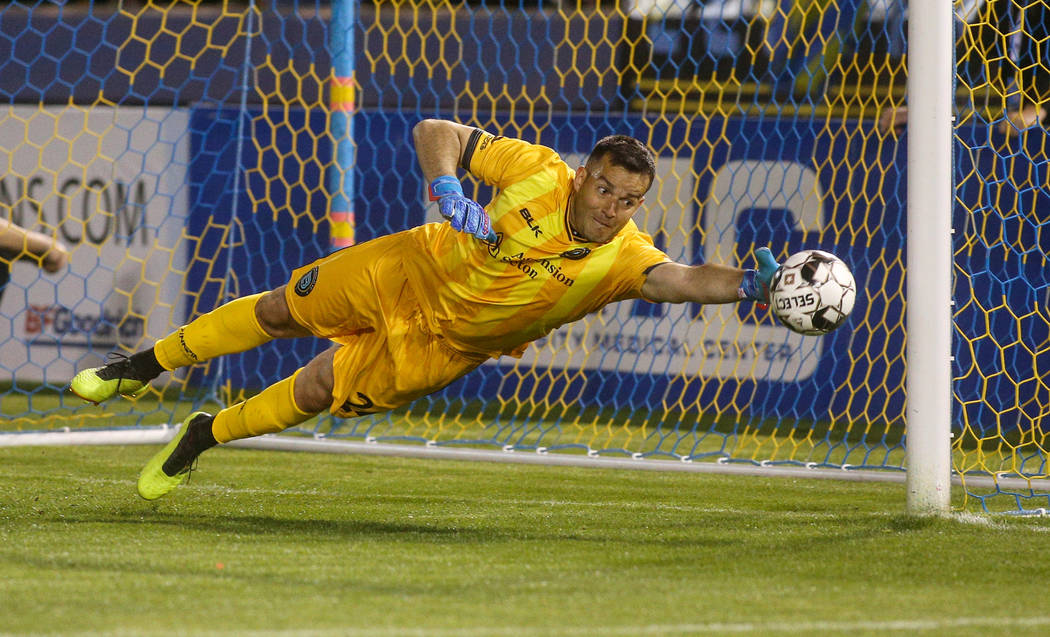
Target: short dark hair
627,153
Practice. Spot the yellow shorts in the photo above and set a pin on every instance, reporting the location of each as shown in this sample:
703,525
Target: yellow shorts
359,298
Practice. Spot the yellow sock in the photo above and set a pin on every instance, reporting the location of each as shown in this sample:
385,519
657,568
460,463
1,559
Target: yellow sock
227,329
271,411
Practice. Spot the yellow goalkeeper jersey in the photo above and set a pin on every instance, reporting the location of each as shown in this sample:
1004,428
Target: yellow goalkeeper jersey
495,298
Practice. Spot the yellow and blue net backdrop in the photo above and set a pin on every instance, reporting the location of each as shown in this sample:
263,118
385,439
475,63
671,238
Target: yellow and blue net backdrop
192,152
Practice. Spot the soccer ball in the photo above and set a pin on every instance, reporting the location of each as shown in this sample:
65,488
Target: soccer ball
813,292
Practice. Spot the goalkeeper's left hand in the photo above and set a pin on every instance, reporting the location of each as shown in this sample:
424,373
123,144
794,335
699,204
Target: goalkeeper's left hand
756,283
463,213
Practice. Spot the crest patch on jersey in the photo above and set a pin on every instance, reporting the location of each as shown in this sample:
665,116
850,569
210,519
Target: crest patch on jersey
306,282
576,253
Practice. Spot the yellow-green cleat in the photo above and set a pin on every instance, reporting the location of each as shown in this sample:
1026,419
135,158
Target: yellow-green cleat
172,465
99,384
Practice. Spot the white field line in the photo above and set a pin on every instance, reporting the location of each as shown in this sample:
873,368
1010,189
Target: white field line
961,517
799,627
473,499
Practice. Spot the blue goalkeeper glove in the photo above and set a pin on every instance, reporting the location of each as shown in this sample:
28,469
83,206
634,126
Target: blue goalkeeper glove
756,283
464,214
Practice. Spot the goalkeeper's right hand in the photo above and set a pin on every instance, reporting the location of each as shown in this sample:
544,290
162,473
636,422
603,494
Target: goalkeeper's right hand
756,283
464,214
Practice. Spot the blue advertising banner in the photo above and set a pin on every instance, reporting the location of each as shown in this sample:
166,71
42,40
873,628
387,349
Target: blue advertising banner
724,189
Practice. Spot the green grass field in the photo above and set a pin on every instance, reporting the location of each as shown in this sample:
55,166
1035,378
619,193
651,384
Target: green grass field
270,543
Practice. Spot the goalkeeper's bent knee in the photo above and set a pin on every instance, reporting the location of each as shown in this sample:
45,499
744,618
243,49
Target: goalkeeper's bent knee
228,329
269,412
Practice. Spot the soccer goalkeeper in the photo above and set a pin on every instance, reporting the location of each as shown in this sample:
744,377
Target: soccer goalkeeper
410,312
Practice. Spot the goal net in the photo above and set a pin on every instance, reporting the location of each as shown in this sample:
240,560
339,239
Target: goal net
190,153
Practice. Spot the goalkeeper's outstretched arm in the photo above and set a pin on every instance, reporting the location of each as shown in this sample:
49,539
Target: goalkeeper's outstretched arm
711,282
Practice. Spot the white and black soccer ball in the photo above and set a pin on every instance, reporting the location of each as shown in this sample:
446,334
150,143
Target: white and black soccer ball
813,292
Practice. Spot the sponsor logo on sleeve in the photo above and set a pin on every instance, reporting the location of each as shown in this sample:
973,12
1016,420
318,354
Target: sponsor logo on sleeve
488,139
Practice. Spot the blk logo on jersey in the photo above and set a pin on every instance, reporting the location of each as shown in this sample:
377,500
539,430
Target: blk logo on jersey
306,282
527,216
576,253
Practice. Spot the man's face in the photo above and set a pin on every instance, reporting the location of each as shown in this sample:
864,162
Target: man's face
606,198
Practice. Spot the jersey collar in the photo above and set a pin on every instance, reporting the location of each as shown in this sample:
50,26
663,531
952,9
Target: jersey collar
574,237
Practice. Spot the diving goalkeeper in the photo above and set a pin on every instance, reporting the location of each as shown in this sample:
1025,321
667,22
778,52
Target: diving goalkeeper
409,313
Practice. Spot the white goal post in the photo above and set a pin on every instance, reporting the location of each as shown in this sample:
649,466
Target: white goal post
931,76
